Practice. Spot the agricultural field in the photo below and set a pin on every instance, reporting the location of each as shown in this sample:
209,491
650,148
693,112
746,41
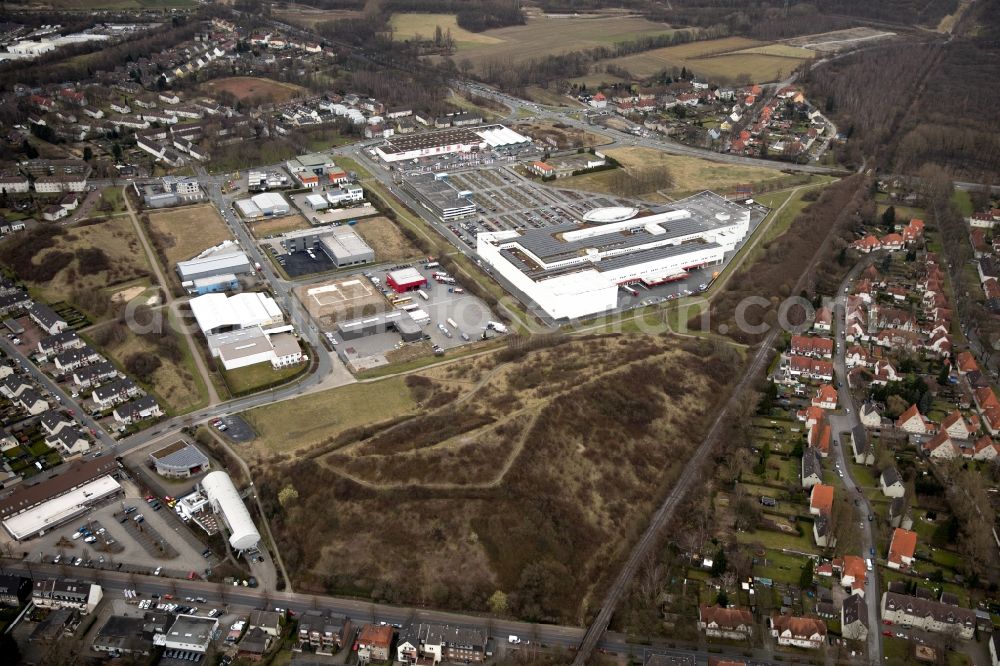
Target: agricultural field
181,233
386,239
408,26
501,462
546,35
80,263
256,88
734,59
690,174
278,225
309,17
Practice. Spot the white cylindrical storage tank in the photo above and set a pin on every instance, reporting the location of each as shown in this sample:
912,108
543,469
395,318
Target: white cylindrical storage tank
226,500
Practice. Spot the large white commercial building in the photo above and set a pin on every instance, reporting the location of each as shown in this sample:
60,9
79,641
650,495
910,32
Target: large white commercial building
575,270
217,313
265,204
223,259
445,142
60,509
250,346
225,500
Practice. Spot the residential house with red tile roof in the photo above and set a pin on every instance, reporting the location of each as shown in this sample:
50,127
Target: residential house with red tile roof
892,242
956,426
913,422
823,320
821,500
902,549
816,347
732,623
825,398
820,437
803,632
867,244
854,574
942,447
858,356
810,368
985,449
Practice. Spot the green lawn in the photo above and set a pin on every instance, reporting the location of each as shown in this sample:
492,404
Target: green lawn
781,567
259,375
112,195
315,418
964,202
777,541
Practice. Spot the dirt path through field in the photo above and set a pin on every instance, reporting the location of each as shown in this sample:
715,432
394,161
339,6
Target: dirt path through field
213,396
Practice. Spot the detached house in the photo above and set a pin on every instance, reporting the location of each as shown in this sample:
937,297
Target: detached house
812,468
956,426
803,632
31,402
731,623
985,449
914,423
139,409
71,441
823,321
47,319
825,398
373,643
53,421
902,549
854,618
941,446
890,482
853,574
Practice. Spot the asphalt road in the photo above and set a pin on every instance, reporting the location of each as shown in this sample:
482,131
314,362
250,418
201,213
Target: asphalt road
851,422
49,385
219,595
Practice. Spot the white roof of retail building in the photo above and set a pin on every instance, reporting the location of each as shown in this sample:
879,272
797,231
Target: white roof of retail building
214,311
61,508
500,136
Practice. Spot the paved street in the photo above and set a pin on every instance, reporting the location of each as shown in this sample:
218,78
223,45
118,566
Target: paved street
850,422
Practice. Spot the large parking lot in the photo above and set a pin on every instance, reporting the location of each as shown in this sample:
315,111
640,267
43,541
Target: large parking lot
158,543
444,302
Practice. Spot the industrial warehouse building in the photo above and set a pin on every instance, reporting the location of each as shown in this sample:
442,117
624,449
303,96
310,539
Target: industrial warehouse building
342,245
179,460
405,279
456,140
399,321
265,204
225,500
575,270
217,313
223,259
436,193
249,346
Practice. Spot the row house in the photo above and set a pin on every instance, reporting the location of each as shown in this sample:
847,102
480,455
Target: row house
14,184
801,632
137,410
13,385
14,302
730,623
30,401
323,634
94,374
928,614
71,359
816,347
810,368
70,441
60,342
820,437
434,643
72,594
54,421
115,392
61,183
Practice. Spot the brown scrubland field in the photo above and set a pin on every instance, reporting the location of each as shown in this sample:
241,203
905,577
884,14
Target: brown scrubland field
530,471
